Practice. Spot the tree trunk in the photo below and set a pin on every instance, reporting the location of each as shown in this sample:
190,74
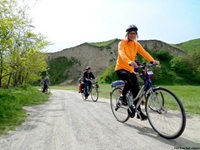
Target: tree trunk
10,75
1,69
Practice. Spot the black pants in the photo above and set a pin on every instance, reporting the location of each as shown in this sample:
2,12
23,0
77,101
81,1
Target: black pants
89,85
131,82
45,88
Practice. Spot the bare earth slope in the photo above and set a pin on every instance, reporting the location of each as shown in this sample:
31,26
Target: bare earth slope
99,58
67,122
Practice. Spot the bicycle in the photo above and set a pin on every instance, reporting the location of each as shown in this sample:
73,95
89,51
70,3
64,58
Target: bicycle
94,91
164,110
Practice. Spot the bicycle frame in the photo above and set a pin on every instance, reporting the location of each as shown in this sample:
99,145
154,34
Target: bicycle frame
147,86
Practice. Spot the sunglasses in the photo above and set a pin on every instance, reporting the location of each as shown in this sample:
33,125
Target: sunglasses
132,33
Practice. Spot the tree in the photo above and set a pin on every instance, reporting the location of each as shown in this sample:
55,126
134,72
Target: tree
193,60
20,48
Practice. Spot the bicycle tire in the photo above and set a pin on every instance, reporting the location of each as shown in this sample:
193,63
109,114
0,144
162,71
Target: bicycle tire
94,94
119,111
168,120
83,96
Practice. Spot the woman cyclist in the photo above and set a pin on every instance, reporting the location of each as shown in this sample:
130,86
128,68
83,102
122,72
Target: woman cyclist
127,50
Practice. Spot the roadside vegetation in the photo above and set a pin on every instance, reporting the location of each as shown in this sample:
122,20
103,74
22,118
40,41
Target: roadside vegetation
21,63
12,102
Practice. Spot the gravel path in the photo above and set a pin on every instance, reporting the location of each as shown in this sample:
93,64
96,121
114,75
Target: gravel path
66,122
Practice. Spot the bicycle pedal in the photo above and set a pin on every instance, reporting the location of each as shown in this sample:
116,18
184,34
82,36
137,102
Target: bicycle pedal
118,105
131,112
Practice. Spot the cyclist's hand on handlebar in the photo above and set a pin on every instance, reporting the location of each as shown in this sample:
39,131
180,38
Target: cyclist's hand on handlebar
155,62
134,64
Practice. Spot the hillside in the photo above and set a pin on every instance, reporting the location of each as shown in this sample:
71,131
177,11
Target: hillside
189,45
103,54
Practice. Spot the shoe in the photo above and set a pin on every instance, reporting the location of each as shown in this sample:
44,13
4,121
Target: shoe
131,112
86,96
142,103
123,100
141,116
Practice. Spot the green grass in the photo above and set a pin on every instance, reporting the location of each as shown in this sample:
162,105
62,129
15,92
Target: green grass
102,44
189,45
12,101
189,95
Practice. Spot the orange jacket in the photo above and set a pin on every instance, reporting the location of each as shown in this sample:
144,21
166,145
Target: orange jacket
127,51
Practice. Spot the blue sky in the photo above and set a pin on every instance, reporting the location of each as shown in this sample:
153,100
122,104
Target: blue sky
70,23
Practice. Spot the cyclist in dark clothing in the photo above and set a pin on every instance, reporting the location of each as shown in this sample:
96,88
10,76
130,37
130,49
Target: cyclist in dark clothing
45,84
87,77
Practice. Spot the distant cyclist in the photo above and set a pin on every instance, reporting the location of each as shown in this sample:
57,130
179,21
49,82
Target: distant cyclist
87,77
45,84
127,50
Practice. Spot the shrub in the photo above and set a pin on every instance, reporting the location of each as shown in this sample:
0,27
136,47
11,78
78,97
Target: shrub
109,75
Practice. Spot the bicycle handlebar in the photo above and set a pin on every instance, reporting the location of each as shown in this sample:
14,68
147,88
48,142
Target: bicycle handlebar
151,64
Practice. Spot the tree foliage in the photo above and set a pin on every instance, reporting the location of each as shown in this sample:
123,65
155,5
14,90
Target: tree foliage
21,59
59,69
193,59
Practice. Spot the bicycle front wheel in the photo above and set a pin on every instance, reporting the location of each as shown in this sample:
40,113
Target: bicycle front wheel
94,94
119,111
83,96
165,113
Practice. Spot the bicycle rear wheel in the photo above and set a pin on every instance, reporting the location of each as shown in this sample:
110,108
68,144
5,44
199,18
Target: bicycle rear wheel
165,113
94,94
119,111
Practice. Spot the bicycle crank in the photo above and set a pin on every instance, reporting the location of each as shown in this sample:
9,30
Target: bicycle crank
131,111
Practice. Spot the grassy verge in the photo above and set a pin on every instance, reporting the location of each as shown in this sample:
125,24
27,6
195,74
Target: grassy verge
189,95
12,101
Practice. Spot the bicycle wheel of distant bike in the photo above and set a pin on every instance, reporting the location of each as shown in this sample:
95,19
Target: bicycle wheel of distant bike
165,113
119,111
94,94
83,96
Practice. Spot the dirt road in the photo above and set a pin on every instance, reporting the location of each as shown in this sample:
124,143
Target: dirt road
66,122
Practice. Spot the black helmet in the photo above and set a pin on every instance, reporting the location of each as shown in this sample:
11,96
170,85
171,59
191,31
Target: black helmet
87,68
132,28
